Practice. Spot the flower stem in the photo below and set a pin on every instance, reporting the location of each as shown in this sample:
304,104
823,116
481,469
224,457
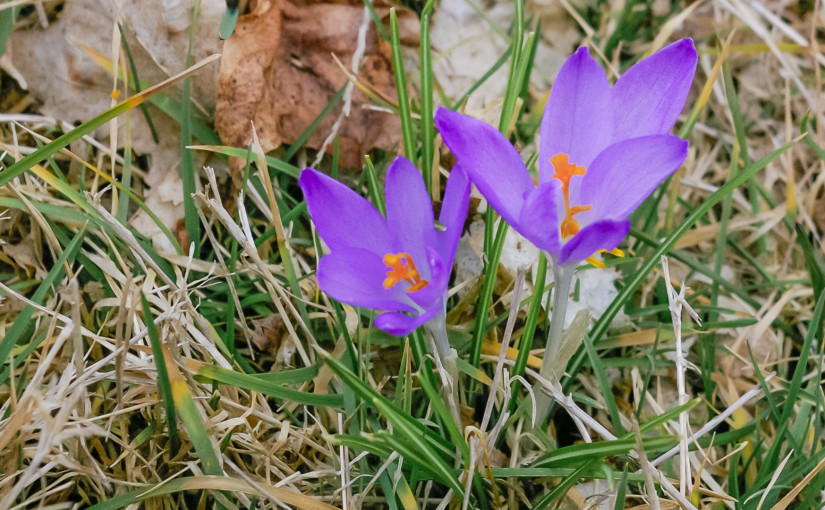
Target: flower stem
446,364
562,278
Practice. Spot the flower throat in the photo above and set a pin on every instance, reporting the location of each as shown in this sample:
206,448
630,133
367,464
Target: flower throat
564,172
402,268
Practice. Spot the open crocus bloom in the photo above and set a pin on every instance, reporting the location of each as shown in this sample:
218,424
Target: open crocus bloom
602,151
400,264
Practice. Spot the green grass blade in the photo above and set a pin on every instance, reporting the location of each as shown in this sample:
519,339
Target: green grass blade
304,136
228,21
446,418
513,79
562,488
187,162
495,67
268,386
191,418
164,386
195,484
813,260
404,425
604,385
741,138
426,98
814,328
401,88
621,490
274,163
375,187
486,297
7,19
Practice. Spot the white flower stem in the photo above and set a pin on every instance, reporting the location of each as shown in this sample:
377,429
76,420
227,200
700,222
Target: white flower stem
445,360
562,278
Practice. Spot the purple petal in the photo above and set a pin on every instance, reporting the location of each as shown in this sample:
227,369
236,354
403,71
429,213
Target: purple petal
439,279
538,220
356,276
602,235
409,210
343,218
453,213
399,324
625,173
648,98
490,160
577,119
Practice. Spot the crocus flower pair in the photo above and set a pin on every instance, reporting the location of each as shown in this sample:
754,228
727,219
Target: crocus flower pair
602,150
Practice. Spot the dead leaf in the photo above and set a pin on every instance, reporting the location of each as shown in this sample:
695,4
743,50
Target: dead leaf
74,88
166,202
267,332
26,255
278,72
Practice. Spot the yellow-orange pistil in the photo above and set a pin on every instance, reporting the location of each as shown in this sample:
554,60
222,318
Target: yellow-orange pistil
564,172
402,268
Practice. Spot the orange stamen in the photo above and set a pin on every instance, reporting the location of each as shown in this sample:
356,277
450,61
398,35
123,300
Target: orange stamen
402,268
564,172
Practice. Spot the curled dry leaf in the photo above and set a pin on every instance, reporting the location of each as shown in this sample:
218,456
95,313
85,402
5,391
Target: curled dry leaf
267,332
278,72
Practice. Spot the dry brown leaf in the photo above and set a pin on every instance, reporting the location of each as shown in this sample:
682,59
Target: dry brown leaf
267,332
278,72
26,256
74,88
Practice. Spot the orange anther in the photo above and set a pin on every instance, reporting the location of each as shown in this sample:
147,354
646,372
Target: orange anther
564,172
402,268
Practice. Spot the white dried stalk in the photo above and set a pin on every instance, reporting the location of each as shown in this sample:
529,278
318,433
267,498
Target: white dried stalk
346,492
772,482
515,302
675,304
716,420
125,235
652,497
359,498
229,281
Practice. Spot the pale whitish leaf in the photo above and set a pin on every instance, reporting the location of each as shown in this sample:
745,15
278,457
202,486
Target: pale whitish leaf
571,341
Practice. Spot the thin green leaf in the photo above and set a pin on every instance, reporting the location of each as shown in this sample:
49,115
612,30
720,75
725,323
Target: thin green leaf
401,88
164,386
269,387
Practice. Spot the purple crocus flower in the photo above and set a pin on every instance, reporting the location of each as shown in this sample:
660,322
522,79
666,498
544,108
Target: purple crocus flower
602,151
400,264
